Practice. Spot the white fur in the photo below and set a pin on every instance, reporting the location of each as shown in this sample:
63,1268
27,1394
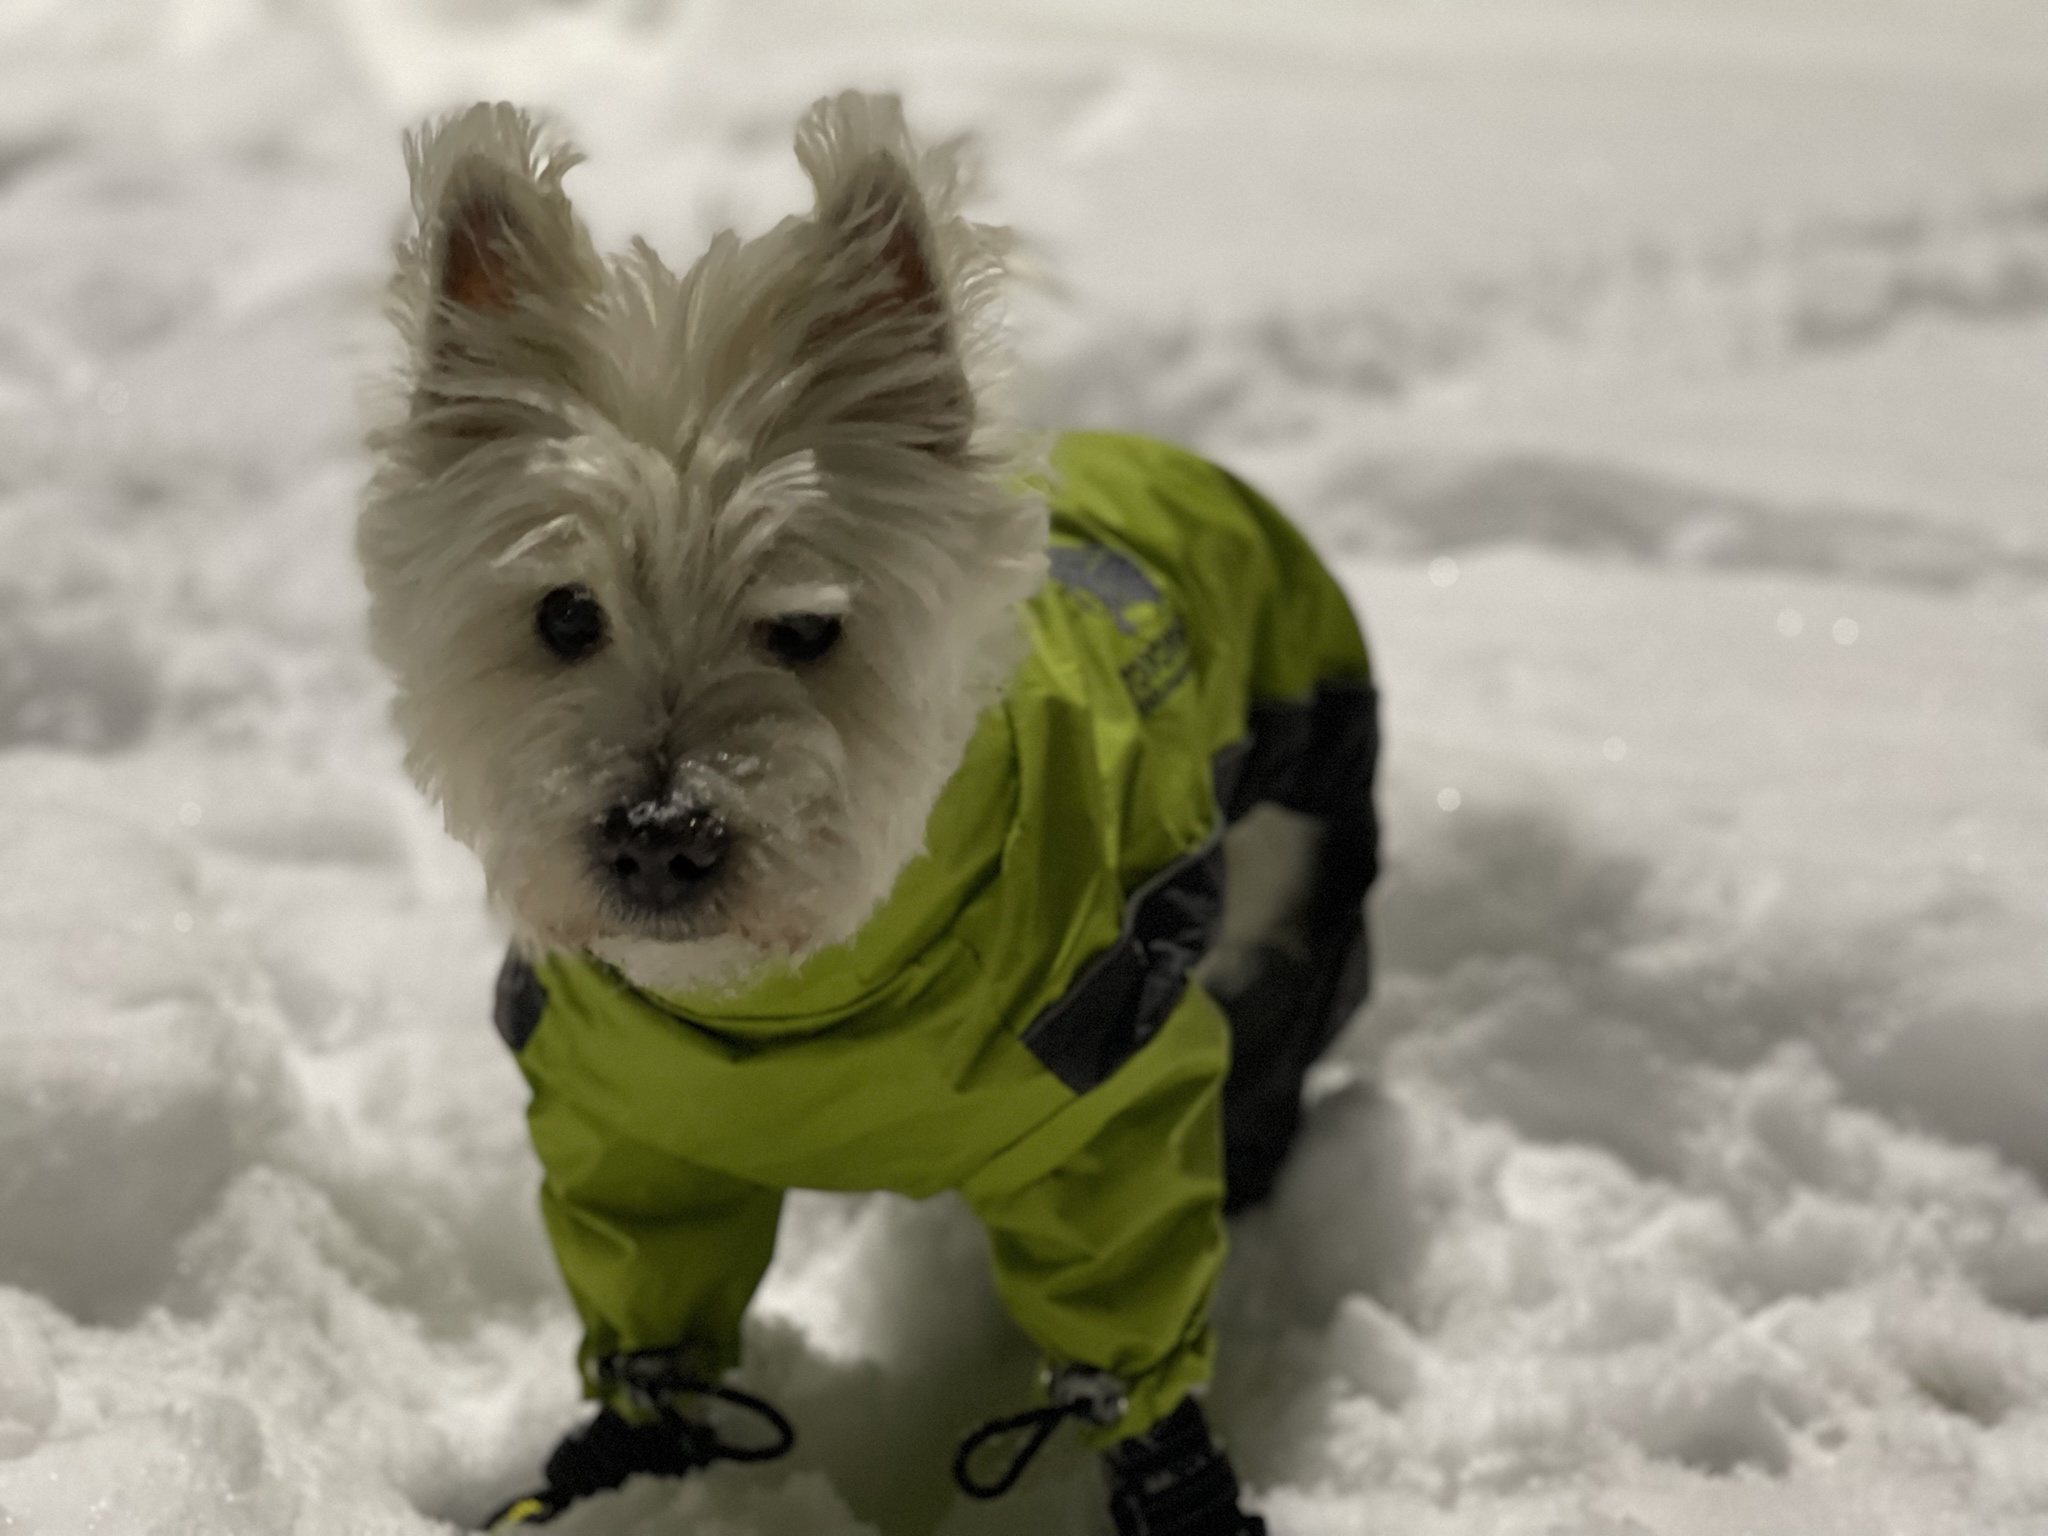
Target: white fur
777,430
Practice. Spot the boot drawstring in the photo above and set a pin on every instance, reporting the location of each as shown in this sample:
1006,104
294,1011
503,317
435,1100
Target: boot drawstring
1074,1392
652,1379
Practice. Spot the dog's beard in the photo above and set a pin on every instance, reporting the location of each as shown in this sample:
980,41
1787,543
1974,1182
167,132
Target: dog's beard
779,899
793,880
823,816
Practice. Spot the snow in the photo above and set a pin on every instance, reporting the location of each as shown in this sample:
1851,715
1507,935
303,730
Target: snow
1667,379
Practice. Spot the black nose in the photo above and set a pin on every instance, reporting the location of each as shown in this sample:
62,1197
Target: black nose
657,853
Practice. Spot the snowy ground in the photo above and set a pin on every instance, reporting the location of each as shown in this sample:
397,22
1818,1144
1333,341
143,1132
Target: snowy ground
1669,379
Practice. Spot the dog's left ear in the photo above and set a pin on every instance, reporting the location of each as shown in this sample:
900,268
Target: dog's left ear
885,278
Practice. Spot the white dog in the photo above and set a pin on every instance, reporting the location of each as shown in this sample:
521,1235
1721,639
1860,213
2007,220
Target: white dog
841,847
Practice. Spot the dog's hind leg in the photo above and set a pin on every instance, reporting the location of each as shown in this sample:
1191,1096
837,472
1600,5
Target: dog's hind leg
1259,972
1293,962
1303,847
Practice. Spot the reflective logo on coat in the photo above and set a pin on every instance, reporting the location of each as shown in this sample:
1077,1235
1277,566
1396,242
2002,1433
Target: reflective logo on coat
1134,604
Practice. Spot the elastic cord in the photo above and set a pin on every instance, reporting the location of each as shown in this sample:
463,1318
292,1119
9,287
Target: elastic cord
1041,1421
785,1432
1077,1392
652,1379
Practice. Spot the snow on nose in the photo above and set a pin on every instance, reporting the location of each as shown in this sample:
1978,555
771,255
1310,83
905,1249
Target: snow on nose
658,853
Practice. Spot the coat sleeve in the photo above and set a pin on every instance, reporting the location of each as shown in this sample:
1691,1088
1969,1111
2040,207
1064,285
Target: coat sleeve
1105,1226
657,1252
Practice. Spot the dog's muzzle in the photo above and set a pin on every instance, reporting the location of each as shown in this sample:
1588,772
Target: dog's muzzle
658,854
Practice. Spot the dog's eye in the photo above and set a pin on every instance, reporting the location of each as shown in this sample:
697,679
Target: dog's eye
796,638
570,622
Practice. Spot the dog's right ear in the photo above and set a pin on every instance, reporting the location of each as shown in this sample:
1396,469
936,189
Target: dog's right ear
495,284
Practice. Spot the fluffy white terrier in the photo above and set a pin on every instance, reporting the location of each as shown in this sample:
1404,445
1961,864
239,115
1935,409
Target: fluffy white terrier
697,590
694,586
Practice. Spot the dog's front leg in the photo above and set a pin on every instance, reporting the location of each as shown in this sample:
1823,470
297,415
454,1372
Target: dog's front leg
661,1257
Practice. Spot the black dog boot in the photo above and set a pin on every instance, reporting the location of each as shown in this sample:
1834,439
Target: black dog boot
1173,1480
600,1456
672,1437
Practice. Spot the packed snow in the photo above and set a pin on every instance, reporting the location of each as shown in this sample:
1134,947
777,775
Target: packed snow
1668,380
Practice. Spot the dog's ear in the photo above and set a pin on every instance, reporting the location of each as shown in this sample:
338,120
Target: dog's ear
496,282
883,292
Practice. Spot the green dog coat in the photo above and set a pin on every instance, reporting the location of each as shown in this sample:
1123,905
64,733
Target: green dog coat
1015,1021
